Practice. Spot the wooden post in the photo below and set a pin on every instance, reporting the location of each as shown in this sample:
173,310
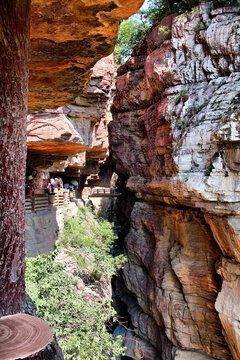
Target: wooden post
33,203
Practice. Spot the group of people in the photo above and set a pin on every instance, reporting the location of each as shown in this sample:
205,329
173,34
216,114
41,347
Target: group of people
52,185
57,183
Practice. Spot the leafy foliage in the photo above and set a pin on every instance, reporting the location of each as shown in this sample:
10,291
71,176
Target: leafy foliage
220,3
79,325
159,8
209,170
131,32
85,234
182,96
199,27
165,33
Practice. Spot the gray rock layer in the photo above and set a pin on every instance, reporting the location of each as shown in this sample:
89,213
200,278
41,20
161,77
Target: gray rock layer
175,140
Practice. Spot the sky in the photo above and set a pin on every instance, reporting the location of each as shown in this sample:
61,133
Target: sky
143,7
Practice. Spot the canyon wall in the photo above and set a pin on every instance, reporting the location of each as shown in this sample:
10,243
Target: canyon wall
67,39
74,136
175,141
42,228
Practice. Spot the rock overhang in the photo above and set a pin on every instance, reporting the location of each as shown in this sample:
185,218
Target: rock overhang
67,39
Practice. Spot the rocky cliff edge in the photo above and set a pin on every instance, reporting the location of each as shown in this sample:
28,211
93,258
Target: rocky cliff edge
175,140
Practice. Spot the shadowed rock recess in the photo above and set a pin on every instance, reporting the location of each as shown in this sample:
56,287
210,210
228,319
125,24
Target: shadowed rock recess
175,141
67,39
76,135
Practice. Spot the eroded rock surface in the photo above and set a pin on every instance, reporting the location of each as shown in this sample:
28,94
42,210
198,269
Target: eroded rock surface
67,39
175,141
74,135
42,228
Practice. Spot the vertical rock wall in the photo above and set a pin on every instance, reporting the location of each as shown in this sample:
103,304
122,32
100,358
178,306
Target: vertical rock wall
175,140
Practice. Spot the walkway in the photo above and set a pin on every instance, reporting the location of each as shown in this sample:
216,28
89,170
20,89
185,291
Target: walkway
104,193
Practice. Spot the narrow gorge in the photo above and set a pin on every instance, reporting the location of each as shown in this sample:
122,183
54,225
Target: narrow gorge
174,140
153,145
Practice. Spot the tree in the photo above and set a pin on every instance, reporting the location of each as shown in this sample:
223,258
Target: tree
130,33
133,30
14,48
158,8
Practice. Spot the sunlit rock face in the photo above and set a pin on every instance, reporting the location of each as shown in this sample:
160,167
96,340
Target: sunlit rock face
67,39
175,140
75,134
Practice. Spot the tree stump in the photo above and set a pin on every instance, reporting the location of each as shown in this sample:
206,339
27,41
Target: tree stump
24,336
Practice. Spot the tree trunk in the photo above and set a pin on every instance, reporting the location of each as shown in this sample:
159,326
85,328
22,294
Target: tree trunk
14,48
27,337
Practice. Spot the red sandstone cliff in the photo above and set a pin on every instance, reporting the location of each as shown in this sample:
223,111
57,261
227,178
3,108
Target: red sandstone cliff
67,39
175,141
74,136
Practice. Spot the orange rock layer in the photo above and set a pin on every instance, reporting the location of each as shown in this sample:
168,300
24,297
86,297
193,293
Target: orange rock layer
175,141
73,135
67,39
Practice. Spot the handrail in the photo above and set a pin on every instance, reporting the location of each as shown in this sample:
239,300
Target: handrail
40,202
107,192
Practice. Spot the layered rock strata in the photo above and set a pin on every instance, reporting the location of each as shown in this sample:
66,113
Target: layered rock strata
74,136
175,141
67,39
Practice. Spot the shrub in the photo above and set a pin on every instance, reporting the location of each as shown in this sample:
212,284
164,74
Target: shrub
158,8
183,95
86,234
131,32
79,325
181,124
200,26
209,170
196,108
165,32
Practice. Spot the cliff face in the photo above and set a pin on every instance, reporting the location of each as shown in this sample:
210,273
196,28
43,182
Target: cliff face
175,139
74,135
67,39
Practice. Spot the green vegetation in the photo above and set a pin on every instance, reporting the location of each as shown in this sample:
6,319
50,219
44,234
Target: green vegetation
200,26
181,124
84,235
199,121
209,170
133,30
165,33
219,3
196,108
183,95
79,325
159,8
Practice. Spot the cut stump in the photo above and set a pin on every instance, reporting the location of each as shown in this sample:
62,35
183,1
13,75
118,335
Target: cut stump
24,336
